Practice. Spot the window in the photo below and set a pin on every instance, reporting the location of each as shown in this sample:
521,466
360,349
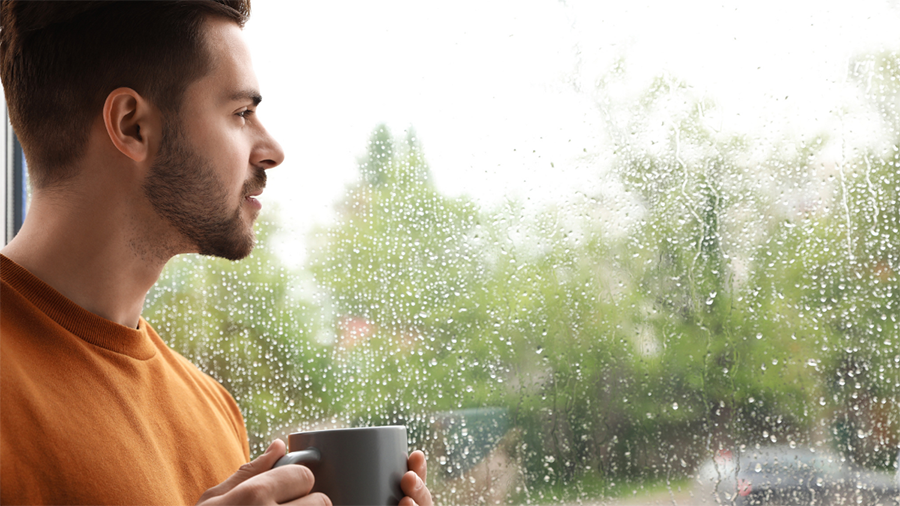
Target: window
586,253
13,184
4,197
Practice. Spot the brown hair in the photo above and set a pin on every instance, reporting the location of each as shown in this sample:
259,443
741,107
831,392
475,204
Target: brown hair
59,61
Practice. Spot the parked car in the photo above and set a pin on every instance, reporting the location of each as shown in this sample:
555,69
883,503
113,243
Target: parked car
793,475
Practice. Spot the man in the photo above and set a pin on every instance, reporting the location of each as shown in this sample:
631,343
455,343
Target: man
138,122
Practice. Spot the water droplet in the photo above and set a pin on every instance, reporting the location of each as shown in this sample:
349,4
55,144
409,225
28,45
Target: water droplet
759,335
758,467
675,406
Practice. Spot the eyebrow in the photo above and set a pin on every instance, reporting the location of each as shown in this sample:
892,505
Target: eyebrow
246,95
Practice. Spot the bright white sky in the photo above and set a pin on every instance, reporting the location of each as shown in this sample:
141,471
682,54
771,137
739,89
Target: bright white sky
499,90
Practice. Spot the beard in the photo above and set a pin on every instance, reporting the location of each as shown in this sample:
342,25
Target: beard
185,190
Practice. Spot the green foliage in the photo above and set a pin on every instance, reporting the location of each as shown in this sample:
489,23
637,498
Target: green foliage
402,274
749,300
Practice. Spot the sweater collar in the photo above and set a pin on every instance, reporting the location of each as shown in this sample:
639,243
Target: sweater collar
136,343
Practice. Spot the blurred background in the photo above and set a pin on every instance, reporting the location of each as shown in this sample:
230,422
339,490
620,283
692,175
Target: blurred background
588,252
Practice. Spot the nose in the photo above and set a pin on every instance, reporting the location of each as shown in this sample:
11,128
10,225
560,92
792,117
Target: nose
268,152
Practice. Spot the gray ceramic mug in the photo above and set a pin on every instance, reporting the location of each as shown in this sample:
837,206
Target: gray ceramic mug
360,466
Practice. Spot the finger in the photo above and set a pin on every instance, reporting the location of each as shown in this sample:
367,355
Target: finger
317,499
260,465
416,462
407,501
414,488
280,485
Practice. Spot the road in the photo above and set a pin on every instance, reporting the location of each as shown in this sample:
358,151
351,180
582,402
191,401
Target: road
665,498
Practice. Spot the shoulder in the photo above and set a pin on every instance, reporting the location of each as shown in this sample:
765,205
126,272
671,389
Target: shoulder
202,385
183,366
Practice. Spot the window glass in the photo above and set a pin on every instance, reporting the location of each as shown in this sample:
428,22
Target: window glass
584,252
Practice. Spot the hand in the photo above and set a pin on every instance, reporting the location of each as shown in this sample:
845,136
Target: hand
413,482
257,483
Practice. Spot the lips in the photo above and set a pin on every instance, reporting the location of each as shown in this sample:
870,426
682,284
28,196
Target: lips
254,187
254,191
251,198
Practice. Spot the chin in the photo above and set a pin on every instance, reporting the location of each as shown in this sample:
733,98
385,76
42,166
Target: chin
234,252
235,245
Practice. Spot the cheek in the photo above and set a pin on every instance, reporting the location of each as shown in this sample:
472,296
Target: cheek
232,165
225,149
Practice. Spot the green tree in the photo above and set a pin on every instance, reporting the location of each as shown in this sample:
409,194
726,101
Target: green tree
398,267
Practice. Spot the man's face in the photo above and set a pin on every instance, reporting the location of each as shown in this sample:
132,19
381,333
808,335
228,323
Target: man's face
213,156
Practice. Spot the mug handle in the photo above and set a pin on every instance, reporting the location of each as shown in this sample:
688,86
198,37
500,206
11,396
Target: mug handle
310,454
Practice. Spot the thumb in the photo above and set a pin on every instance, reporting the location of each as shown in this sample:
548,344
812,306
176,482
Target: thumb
259,465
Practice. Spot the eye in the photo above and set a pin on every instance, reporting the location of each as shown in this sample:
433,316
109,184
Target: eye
246,113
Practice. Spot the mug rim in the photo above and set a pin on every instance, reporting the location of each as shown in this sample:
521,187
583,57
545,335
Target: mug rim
351,429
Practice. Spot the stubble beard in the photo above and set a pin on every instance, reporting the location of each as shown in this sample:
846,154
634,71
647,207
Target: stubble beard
184,189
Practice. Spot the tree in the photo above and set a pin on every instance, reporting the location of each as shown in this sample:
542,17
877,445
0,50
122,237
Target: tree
397,266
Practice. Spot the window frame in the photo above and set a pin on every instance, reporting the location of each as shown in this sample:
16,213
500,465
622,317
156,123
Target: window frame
14,180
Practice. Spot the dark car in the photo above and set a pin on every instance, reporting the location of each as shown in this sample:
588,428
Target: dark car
793,475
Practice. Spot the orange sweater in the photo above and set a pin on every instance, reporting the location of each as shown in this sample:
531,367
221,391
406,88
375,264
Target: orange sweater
92,412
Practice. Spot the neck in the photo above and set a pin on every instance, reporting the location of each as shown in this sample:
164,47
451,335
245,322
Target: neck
96,252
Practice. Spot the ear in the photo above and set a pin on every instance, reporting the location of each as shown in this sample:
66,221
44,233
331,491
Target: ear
132,123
